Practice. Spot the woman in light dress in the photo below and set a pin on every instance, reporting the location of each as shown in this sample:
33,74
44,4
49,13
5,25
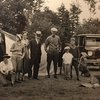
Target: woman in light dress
18,53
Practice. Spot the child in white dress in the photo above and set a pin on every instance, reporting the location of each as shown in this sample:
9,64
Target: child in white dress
67,60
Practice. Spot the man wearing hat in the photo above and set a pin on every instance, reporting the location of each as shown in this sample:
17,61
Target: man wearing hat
52,47
6,70
2,43
35,54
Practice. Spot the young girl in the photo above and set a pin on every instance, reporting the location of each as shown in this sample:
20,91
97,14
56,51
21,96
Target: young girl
83,65
67,60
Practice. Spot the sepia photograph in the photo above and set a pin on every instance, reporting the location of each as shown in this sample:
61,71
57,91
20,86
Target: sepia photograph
49,49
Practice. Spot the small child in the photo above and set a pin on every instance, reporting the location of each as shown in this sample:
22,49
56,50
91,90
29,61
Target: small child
67,60
83,65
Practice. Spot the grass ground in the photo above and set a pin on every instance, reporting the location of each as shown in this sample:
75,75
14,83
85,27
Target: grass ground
50,89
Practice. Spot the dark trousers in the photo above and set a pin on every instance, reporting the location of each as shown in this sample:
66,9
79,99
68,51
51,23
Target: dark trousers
75,64
52,57
1,54
60,60
35,64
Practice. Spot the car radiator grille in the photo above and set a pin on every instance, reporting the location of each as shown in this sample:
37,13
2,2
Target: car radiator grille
97,53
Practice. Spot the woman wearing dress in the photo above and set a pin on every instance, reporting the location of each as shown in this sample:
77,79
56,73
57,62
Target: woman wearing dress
26,63
18,52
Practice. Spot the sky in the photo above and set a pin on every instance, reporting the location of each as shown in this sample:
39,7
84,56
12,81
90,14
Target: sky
54,4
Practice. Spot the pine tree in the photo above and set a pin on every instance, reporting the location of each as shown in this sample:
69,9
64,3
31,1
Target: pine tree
63,15
92,5
74,17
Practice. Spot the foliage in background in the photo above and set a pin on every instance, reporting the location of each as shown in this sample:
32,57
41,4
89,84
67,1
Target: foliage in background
12,13
90,26
92,5
19,15
43,21
64,19
75,11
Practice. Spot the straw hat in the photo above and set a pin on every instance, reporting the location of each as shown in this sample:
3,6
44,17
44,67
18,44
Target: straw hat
67,48
38,33
54,29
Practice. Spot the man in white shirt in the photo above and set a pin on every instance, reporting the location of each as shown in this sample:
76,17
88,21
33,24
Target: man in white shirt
6,71
67,60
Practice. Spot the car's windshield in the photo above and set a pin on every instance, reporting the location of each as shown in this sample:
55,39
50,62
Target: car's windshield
92,41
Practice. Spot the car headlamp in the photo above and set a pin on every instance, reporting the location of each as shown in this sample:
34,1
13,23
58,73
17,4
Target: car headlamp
90,53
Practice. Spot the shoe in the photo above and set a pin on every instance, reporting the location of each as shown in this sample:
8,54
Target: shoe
12,84
22,79
5,85
29,78
17,81
48,76
78,79
34,78
37,78
71,76
66,78
55,76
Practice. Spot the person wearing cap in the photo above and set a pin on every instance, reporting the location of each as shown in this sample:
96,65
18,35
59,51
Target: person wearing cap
83,65
18,52
2,43
52,47
6,71
74,52
35,55
67,61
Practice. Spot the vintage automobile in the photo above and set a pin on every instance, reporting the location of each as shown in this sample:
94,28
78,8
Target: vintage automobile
90,43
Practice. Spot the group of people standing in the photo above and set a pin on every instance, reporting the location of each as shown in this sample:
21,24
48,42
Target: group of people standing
26,56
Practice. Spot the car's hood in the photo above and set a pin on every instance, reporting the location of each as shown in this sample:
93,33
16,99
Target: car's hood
91,48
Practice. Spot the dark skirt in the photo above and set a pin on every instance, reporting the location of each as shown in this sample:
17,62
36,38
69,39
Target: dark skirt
26,65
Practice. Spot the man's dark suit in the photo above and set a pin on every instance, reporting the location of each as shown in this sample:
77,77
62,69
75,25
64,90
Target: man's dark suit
35,49
2,45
